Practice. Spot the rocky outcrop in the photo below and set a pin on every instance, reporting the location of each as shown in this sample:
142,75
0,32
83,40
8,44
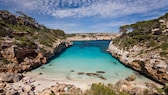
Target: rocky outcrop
25,59
91,36
10,77
57,48
123,85
60,89
131,78
151,64
25,44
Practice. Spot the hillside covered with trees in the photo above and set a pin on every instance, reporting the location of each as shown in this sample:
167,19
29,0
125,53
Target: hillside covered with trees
151,35
143,46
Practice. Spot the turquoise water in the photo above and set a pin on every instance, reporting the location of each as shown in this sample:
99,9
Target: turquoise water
86,57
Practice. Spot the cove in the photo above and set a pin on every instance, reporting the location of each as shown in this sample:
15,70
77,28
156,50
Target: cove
84,58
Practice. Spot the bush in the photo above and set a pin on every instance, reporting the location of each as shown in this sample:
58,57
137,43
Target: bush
164,46
163,53
5,61
101,89
166,90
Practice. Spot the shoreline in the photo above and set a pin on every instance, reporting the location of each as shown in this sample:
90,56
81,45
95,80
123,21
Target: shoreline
135,63
137,71
83,85
40,82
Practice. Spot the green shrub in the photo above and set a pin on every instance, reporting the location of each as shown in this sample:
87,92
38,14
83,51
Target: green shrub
5,61
164,46
152,43
164,53
101,89
166,90
159,90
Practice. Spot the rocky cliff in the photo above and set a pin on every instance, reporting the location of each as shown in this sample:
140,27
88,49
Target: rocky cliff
145,48
91,36
25,44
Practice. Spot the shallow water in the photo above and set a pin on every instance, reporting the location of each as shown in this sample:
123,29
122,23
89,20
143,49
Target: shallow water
87,57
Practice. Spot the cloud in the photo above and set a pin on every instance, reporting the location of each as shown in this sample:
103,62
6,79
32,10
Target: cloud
87,8
110,8
88,15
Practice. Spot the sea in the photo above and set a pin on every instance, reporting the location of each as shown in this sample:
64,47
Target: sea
87,61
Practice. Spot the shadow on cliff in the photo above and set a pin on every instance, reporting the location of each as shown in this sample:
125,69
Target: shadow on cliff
56,55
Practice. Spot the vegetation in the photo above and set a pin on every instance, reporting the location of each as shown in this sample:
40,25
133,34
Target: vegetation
149,34
26,30
25,33
101,89
166,90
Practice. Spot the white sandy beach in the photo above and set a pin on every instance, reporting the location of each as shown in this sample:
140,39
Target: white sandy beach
42,82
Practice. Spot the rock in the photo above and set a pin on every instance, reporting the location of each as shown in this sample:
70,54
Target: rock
150,64
2,85
100,71
31,93
61,87
131,78
42,67
40,73
10,77
50,65
44,60
2,92
27,88
55,89
151,85
11,91
72,70
21,54
92,74
136,91
102,77
46,92
123,85
81,73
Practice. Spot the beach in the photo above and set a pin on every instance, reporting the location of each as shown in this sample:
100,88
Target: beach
43,82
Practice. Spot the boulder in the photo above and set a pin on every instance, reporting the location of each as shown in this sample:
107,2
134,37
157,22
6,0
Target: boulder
27,88
102,77
131,78
151,85
136,91
81,73
2,84
61,87
92,74
45,92
10,77
11,91
123,85
31,93
100,71
2,92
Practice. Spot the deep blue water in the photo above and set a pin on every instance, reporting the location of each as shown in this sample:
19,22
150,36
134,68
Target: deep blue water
87,57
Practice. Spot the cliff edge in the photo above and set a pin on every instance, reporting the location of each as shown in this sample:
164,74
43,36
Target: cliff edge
26,44
143,46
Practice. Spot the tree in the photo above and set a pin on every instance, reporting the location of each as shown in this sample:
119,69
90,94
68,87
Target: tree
124,29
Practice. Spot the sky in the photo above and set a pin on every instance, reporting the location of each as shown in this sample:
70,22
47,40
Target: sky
87,16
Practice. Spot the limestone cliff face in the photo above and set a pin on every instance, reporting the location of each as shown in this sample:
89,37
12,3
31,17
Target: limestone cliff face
91,36
25,44
144,48
151,64
24,59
